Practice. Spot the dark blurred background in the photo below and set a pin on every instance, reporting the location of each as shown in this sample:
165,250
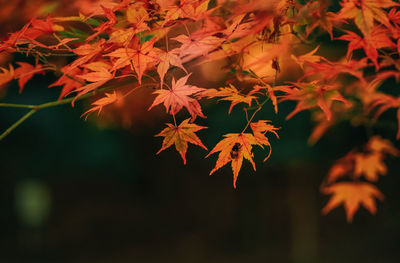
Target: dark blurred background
80,191
95,191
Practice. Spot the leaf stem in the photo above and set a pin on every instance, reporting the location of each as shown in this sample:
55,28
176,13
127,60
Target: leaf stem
251,118
17,123
35,108
173,115
11,105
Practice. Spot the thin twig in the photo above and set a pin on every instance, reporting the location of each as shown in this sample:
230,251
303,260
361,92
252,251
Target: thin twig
17,123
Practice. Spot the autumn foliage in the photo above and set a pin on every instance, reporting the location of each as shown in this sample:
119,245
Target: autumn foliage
112,48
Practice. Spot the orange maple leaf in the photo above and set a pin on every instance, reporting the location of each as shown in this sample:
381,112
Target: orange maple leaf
86,52
68,82
352,195
314,94
178,97
365,12
166,60
180,136
230,94
259,129
270,92
112,20
379,145
6,75
139,58
370,165
234,148
307,58
377,38
98,77
342,167
100,103
25,72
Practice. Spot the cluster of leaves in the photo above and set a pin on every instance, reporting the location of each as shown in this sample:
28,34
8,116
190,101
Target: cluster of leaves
112,44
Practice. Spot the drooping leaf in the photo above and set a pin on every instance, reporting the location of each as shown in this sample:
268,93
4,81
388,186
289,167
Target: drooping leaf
100,103
25,72
352,195
180,136
260,128
369,165
314,94
233,148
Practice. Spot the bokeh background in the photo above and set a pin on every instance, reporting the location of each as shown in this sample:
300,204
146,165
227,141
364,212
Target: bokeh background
95,191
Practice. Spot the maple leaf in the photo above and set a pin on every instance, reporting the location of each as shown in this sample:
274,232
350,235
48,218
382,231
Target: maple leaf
369,165
100,103
196,45
377,38
180,136
6,75
315,14
68,81
352,195
270,92
122,36
25,72
98,77
307,58
178,97
365,12
186,9
86,53
233,148
166,60
259,129
139,58
342,167
14,38
136,13
330,70
112,20
314,94
230,94
380,145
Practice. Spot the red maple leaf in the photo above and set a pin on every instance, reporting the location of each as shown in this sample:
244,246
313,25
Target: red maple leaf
25,72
